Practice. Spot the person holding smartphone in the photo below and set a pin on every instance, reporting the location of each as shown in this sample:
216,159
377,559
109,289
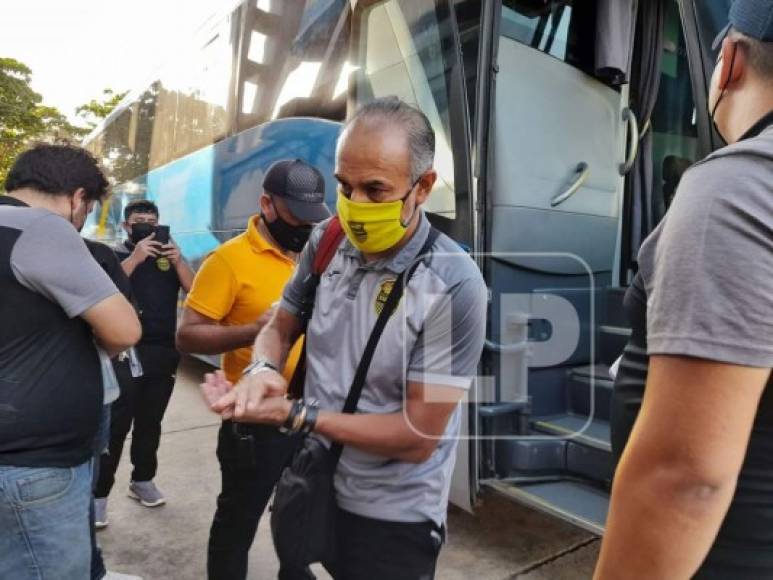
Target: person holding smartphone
156,271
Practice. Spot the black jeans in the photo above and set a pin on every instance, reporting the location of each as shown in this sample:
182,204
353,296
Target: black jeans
382,550
142,403
250,465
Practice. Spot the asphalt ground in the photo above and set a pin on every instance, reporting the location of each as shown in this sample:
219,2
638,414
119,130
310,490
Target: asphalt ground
502,540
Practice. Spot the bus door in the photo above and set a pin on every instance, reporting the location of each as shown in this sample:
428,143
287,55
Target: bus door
559,138
572,181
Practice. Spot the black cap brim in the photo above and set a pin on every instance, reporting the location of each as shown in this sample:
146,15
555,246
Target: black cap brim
721,36
307,212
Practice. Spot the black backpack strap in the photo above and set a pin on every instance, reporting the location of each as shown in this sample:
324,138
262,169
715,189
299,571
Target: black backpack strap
358,383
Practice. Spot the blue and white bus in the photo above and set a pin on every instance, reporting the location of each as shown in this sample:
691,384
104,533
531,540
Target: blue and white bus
562,127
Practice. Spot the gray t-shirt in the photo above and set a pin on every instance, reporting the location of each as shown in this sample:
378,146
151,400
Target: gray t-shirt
708,274
51,259
435,337
708,267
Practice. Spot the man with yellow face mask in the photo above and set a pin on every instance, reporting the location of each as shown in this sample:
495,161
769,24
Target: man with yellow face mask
393,478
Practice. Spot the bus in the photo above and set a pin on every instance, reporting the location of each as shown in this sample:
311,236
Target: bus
563,128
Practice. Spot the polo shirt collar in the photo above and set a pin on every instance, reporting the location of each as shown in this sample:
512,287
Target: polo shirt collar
10,200
403,258
258,243
759,127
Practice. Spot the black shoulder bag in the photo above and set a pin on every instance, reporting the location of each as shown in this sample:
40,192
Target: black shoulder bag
304,509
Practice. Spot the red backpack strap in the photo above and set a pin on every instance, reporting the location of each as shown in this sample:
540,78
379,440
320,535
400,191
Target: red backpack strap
328,244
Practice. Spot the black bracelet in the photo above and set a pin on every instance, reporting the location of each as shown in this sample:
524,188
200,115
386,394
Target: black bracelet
310,421
287,426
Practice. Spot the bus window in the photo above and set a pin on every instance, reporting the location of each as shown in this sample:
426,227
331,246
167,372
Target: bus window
291,68
673,122
192,99
561,29
401,53
468,14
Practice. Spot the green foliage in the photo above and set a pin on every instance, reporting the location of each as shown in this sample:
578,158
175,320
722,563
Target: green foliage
23,117
95,110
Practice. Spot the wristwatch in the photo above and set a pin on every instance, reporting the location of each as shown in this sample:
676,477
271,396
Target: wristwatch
259,366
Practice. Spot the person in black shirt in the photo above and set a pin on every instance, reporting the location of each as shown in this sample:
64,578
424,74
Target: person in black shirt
109,262
156,272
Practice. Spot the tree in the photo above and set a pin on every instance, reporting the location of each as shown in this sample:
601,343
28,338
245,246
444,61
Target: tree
95,110
23,117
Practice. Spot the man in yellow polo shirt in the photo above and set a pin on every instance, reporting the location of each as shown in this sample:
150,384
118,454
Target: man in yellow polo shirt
231,299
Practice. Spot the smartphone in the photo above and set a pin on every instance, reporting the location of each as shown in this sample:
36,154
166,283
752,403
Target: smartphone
162,234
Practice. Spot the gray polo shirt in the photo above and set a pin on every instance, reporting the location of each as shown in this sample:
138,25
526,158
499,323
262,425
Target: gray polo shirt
435,337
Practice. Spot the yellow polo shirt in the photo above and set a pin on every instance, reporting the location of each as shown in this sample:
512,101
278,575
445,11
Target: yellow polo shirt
237,283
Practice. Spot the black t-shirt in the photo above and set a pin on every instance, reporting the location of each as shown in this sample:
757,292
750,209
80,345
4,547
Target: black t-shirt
108,260
705,289
156,288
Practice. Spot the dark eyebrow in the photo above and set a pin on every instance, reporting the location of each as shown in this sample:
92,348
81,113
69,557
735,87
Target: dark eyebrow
371,183
377,183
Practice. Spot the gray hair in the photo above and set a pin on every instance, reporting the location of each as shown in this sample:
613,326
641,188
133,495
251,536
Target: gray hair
760,53
421,136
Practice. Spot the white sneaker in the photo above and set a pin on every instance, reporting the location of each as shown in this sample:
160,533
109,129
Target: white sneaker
118,576
100,512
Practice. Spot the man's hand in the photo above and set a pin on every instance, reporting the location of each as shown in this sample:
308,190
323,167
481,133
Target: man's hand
214,388
270,411
171,252
146,248
242,401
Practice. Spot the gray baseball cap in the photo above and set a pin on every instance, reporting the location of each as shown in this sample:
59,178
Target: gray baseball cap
754,18
301,186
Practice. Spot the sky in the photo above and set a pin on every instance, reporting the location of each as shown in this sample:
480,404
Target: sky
76,48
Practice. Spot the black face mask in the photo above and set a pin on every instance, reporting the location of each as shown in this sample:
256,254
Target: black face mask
140,231
291,238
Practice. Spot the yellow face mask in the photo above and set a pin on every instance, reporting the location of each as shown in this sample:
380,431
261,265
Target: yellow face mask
372,227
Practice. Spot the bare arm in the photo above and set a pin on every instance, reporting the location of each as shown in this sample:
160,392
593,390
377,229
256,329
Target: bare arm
273,344
276,338
185,274
411,436
679,471
203,335
114,323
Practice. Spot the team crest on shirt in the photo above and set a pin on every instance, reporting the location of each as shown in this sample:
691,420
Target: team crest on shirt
383,293
358,230
163,264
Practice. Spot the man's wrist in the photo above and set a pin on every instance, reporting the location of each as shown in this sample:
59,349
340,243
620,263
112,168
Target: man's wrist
259,366
301,417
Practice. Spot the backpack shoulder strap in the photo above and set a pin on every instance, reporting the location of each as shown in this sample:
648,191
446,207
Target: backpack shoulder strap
331,239
328,244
